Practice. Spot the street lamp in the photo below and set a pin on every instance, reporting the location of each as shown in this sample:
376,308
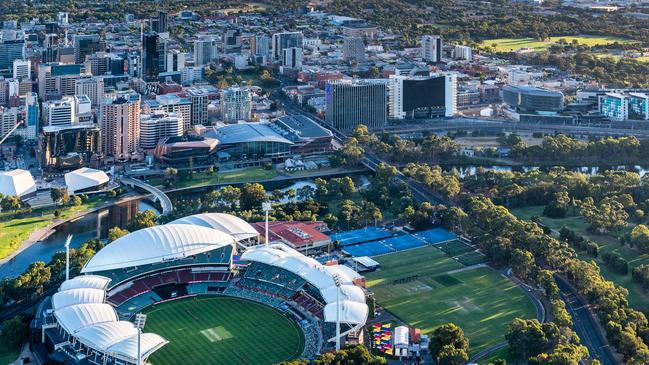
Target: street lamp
67,257
140,320
265,206
338,282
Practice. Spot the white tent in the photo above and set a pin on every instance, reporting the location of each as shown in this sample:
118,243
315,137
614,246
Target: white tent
17,183
76,296
84,178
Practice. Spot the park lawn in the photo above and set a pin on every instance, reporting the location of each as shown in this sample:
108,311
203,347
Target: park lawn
638,297
14,231
8,353
503,353
221,331
252,174
479,300
513,44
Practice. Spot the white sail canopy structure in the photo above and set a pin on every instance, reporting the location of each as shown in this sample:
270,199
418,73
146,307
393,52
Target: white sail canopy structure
157,244
235,226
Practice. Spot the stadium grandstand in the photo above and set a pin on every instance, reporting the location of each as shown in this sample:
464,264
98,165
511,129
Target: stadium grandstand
88,320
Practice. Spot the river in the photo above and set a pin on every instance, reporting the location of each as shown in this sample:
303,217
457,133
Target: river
91,225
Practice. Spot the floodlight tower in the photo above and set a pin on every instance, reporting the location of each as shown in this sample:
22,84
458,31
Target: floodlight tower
265,206
67,257
140,320
338,282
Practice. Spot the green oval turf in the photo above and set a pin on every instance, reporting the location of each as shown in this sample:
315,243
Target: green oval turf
222,331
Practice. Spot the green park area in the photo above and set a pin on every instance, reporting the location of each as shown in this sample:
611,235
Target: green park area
513,44
13,231
638,297
253,174
424,288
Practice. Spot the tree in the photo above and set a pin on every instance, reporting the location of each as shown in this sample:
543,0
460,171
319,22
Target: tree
76,201
142,220
252,195
450,355
527,338
10,203
170,176
448,344
523,264
32,282
59,195
15,331
115,233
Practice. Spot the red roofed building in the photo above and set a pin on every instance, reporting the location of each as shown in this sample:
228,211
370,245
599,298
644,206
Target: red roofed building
301,236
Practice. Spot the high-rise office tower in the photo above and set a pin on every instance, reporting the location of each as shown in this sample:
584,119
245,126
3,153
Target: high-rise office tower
292,57
56,80
175,60
59,113
236,104
200,101
159,125
85,45
8,119
431,48
285,40
412,97
119,120
260,45
22,70
153,52
350,103
353,49
204,51
33,115
232,41
102,63
93,88
11,50
160,23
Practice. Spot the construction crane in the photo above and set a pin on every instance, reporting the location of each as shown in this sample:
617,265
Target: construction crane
11,131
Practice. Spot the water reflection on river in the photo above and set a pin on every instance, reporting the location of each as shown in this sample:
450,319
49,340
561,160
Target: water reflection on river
92,225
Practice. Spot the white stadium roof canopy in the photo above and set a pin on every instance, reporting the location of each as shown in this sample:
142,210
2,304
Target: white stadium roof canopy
85,281
227,223
127,349
157,244
80,316
80,310
76,296
350,312
352,298
16,183
84,178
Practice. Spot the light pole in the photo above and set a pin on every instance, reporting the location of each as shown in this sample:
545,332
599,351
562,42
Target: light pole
140,320
338,282
265,206
67,257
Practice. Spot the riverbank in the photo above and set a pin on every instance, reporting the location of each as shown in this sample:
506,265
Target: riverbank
29,230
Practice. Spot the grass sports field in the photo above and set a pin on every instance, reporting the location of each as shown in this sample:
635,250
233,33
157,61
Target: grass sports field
479,300
513,44
222,331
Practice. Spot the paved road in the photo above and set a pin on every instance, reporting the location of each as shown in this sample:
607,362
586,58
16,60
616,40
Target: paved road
585,325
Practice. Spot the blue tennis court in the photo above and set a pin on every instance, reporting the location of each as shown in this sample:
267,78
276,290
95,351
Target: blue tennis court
368,249
404,242
360,235
436,235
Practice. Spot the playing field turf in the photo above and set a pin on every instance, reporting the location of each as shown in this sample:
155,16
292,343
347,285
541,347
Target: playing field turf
513,44
479,300
222,331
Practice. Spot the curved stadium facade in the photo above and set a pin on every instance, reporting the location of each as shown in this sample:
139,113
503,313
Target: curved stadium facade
87,320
